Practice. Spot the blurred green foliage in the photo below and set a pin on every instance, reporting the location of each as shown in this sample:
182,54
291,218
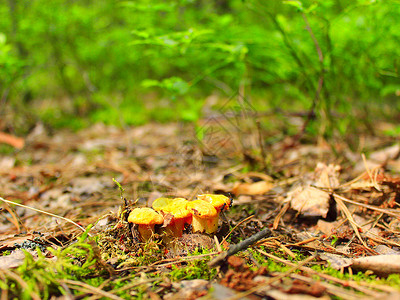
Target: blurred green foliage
128,62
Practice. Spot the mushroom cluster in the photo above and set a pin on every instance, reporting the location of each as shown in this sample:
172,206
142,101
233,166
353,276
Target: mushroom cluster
202,213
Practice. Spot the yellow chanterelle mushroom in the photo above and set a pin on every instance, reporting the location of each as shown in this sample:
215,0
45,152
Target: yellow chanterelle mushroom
205,216
146,218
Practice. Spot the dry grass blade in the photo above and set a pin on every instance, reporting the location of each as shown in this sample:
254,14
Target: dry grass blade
303,242
280,214
285,249
181,259
349,217
15,220
23,284
135,284
217,244
91,289
389,213
43,212
371,177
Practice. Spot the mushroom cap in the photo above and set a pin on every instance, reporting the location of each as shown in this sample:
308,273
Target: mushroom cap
202,209
217,201
178,208
161,203
145,216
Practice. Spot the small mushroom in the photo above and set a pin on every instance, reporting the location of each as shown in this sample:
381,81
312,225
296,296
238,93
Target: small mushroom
145,218
205,217
220,202
175,216
161,203
180,215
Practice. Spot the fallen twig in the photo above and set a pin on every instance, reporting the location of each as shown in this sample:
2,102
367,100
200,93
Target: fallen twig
233,249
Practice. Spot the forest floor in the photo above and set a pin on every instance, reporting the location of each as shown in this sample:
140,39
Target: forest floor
323,218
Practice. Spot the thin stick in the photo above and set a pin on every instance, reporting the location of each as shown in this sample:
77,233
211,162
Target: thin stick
285,249
43,212
233,249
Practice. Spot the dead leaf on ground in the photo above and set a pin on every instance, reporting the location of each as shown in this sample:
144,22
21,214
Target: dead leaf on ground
256,188
309,201
12,140
385,250
378,158
336,261
189,289
14,259
327,176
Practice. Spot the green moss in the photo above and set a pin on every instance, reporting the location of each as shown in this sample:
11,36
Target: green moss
6,149
193,269
43,277
197,269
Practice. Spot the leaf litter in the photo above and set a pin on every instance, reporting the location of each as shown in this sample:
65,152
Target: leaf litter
310,209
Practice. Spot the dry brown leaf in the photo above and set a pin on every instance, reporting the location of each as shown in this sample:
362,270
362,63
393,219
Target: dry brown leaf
189,289
385,250
377,158
14,141
256,188
327,176
336,261
385,154
15,259
327,227
309,201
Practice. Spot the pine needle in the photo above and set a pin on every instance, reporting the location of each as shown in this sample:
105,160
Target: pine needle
43,212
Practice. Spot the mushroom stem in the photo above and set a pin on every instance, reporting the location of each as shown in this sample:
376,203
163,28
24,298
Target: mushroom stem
173,231
177,227
146,231
209,225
